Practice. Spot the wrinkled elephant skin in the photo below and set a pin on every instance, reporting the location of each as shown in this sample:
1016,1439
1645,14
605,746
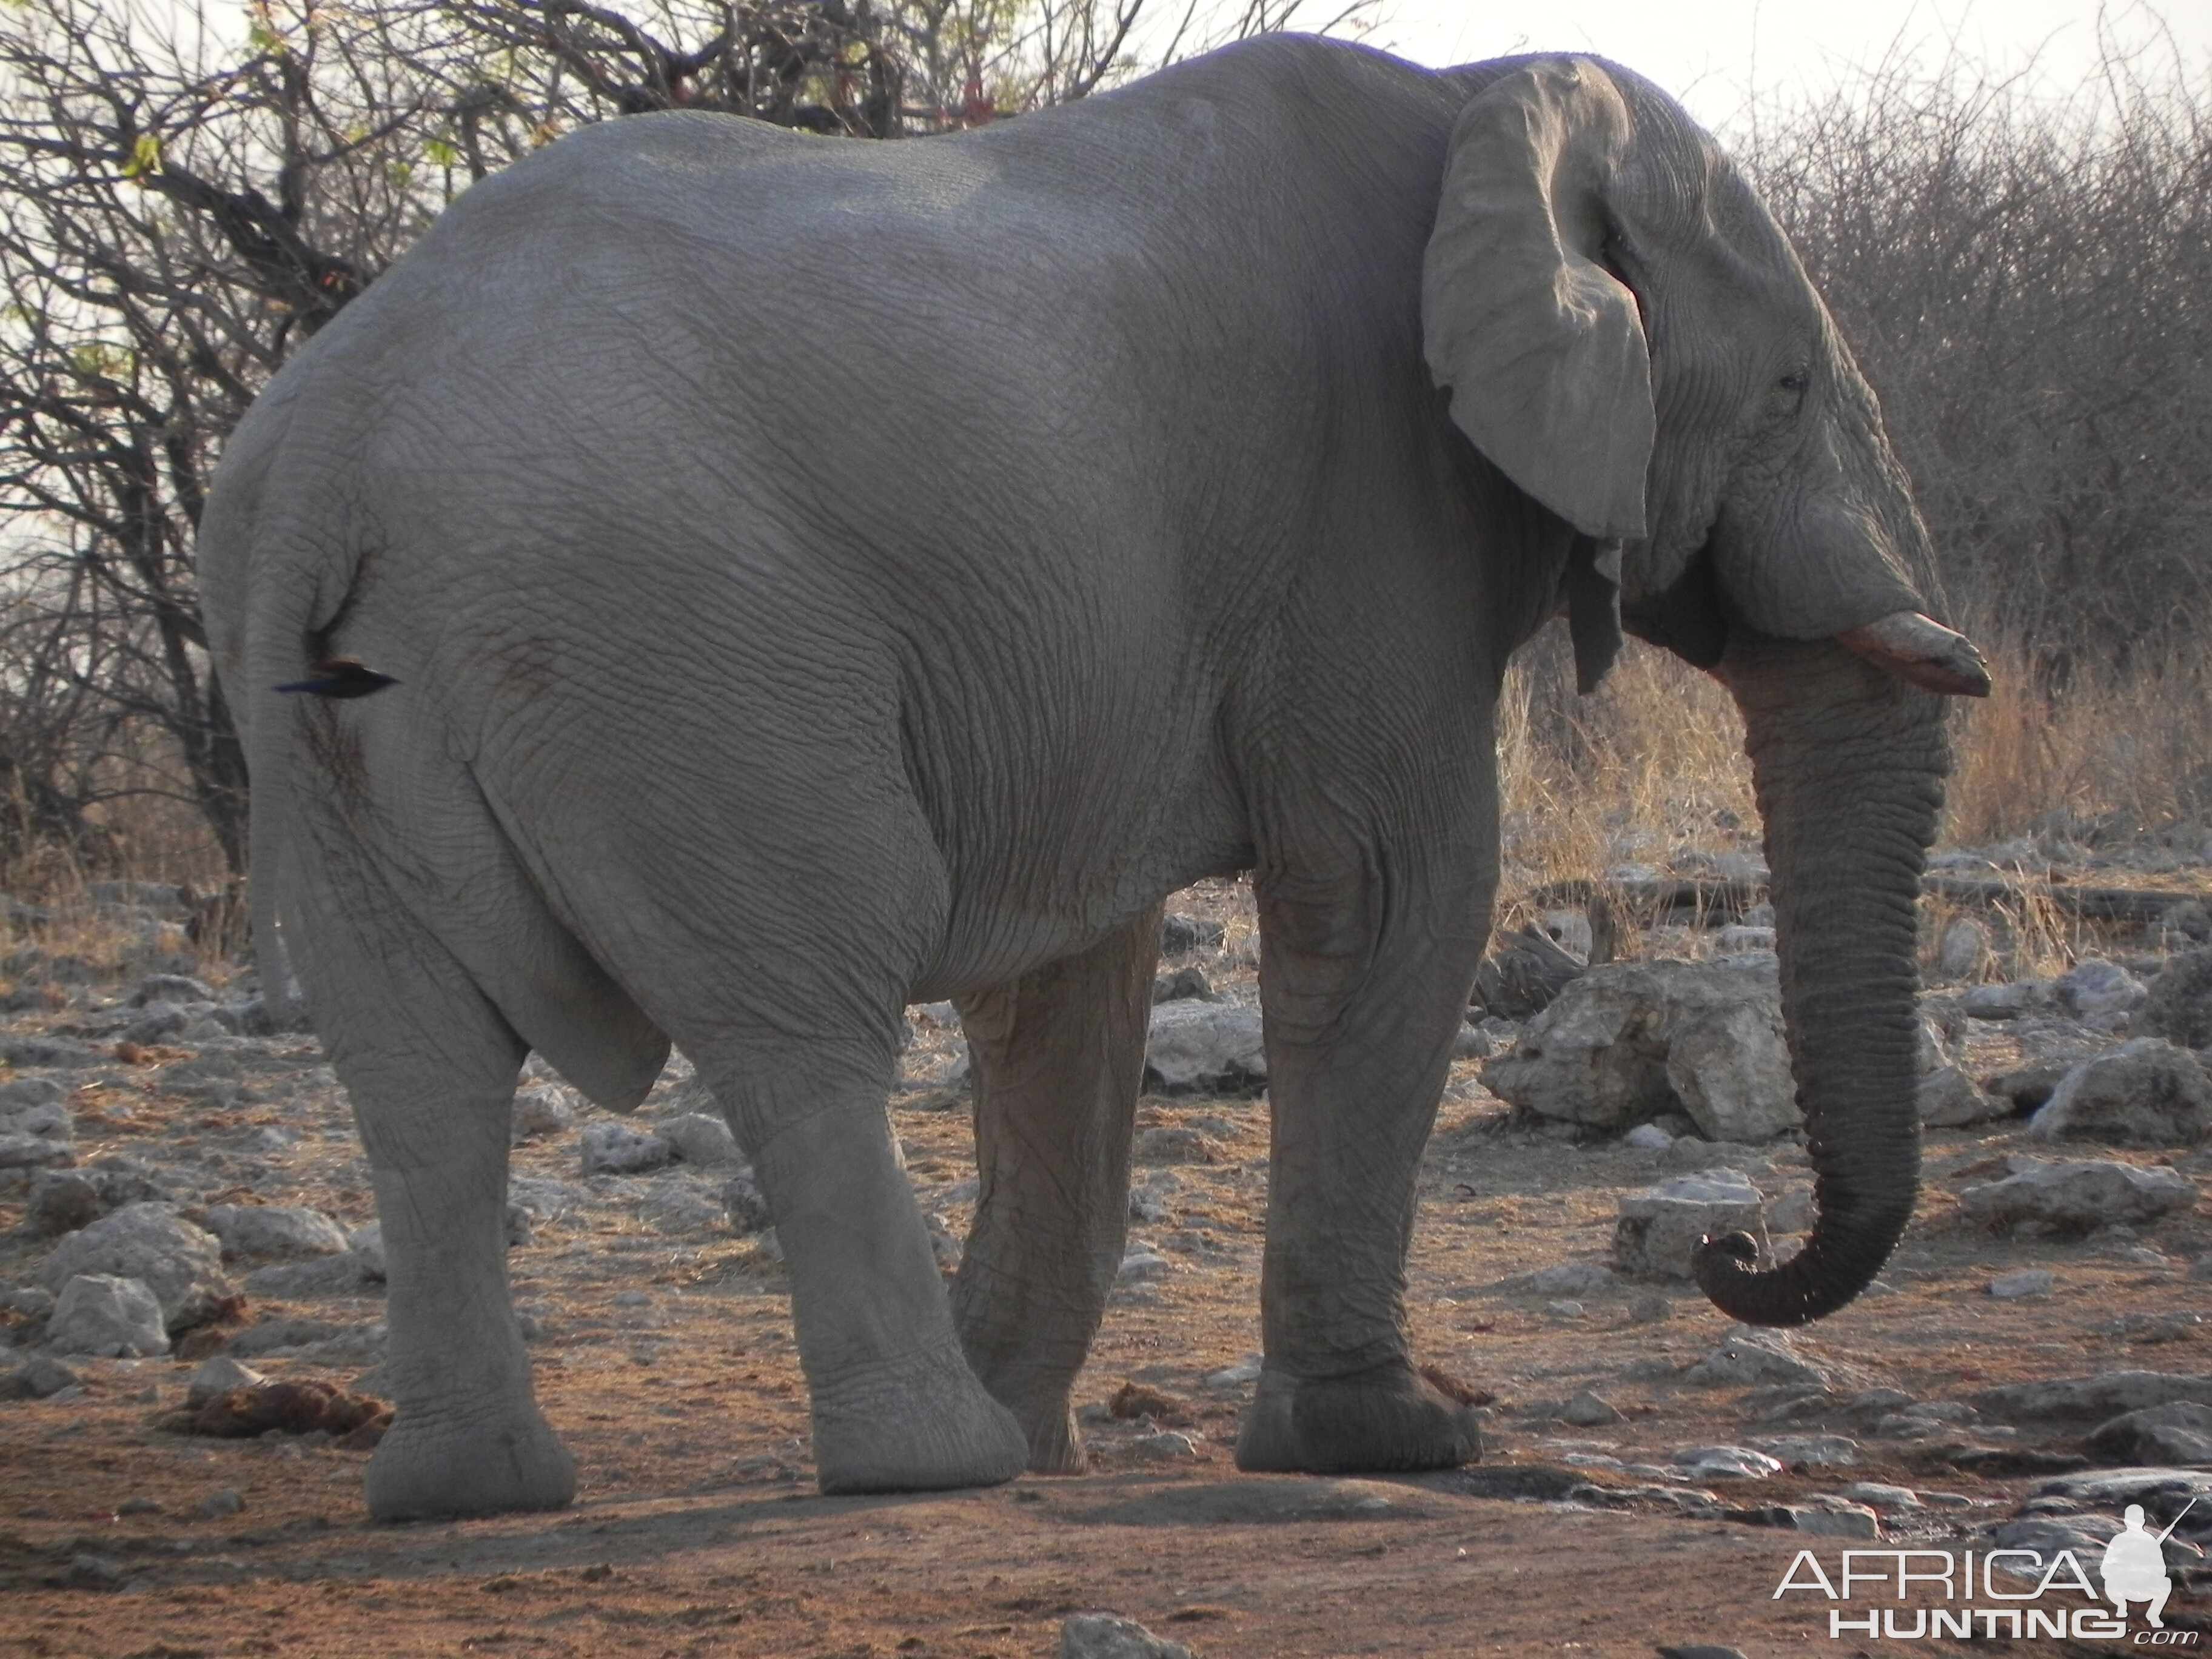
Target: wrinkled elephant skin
733,583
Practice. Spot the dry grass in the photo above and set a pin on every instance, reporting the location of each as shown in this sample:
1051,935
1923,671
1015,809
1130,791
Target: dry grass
1651,770
144,837
2119,756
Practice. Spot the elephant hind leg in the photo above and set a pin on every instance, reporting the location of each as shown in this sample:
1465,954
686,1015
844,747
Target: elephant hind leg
1059,1058
431,1067
896,1407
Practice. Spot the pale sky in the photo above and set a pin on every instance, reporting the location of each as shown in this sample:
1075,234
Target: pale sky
1716,54
1713,53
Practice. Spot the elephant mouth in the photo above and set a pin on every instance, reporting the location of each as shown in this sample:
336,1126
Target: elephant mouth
1691,618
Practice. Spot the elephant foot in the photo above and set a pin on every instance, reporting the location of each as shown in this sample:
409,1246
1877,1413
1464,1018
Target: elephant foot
1039,1404
426,1470
1056,1446
1386,1420
924,1426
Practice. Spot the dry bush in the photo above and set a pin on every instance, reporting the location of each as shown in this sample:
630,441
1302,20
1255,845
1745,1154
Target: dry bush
2028,285
1648,770
2110,756
180,208
1651,770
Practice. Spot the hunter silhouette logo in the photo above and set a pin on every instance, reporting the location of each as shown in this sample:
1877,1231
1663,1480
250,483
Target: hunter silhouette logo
2134,1568
2012,1592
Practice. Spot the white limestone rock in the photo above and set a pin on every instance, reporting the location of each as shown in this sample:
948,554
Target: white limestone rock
180,1263
1660,1226
1630,1040
107,1314
274,1230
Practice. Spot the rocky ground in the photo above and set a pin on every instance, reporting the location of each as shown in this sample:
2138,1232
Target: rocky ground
184,1222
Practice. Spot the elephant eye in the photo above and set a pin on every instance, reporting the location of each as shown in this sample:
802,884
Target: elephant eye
1795,380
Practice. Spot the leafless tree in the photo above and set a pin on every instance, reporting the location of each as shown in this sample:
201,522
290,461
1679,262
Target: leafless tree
180,212
2029,287
168,234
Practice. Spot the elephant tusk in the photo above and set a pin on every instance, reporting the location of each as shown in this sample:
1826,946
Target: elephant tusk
1925,652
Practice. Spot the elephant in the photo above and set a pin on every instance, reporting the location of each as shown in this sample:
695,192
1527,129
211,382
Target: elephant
729,585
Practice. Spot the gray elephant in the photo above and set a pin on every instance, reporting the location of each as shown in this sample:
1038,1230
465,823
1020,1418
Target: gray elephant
821,576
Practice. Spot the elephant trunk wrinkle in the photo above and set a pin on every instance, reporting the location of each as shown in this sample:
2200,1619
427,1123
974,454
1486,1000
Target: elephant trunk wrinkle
1848,764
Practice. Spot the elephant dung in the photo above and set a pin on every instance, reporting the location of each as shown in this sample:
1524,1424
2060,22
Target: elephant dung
2144,1093
1629,1041
1660,1225
1204,1046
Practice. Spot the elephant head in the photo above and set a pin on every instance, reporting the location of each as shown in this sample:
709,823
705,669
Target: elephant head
1626,334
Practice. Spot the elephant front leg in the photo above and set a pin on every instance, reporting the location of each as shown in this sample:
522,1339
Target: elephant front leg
1059,1058
1364,986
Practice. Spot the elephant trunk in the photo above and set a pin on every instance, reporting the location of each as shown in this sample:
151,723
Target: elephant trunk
1848,762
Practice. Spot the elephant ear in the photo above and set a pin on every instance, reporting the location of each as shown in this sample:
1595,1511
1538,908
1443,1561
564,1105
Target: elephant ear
1541,348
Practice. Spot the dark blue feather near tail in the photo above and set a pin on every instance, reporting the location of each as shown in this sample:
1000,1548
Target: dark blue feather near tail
342,676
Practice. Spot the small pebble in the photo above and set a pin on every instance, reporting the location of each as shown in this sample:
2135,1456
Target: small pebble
1139,1266
1586,1410
226,1500
2028,1281
1167,1446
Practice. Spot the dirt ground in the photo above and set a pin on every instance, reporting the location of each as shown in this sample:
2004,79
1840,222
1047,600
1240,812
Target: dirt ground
697,1532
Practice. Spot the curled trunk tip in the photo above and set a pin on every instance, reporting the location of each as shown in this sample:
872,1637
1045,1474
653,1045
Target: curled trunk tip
1848,758
1826,1275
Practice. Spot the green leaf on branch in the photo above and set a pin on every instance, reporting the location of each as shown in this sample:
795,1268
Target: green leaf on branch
145,157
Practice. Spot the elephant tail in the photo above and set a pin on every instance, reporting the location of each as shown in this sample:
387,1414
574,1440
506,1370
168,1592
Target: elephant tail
296,601
274,649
